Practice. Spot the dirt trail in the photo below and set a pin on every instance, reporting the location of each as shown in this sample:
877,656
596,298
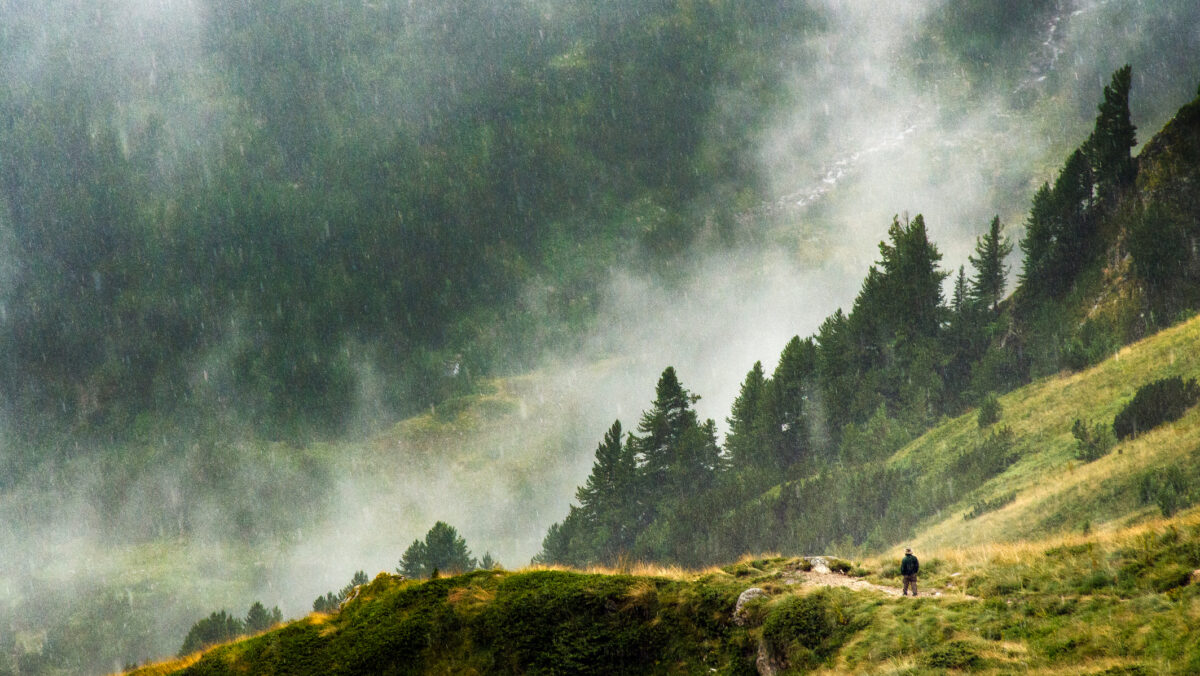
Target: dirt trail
823,577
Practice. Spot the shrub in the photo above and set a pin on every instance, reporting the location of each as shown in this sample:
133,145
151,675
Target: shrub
1092,345
1168,488
1091,441
800,629
1155,403
989,410
840,565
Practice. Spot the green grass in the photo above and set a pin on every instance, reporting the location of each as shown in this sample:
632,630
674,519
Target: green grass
1052,491
1115,602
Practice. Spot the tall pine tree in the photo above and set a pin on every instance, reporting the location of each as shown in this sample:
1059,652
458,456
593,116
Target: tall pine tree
988,280
745,442
1109,146
608,498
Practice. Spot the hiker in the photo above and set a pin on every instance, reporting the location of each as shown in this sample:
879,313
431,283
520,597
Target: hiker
908,570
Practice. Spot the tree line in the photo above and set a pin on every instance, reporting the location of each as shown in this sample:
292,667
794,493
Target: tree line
805,445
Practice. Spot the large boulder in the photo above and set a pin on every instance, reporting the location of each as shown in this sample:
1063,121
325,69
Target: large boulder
740,617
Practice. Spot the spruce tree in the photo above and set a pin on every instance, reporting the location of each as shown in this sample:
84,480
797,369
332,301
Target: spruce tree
988,280
1109,146
789,419
258,618
745,441
1038,246
443,551
608,498
836,373
446,551
660,430
912,280
958,302
1074,222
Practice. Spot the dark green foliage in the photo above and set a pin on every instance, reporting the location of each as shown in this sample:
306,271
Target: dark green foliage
505,623
1168,488
331,602
992,455
1155,403
1114,137
443,551
801,630
1061,233
216,628
608,500
1161,249
258,618
1092,442
747,440
876,439
990,411
1093,343
987,284
375,184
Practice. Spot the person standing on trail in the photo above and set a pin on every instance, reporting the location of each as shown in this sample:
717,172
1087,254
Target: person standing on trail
908,570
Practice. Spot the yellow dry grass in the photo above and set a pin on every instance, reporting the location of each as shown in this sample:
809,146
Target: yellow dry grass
1047,476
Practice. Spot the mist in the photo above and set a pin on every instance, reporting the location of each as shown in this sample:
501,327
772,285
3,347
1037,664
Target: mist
884,112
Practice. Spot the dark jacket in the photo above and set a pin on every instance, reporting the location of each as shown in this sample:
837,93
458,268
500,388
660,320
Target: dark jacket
909,565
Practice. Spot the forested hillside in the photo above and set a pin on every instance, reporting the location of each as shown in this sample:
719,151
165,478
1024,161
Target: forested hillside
283,283
370,186
1107,257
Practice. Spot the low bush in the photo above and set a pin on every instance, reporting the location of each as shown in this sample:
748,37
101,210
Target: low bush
989,410
1092,442
1155,403
800,629
1167,487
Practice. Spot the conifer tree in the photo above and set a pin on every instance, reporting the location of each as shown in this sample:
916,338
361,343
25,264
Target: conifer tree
608,499
958,302
912,281
258,618
745,440
1109,146
836,373
1073,221
661,429
789,419
1038,245
988,281
443,550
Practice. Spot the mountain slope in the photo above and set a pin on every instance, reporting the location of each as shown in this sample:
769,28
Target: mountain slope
1054,491
1076,571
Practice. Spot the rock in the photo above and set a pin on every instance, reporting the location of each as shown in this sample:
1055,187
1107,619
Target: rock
1196,576
765,664
739,610
820,564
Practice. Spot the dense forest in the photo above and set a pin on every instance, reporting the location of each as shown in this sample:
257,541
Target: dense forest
282,281
801,466
379,186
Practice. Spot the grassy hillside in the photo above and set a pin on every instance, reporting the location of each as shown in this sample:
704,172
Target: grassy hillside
1065,566
1054,491
1120,603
